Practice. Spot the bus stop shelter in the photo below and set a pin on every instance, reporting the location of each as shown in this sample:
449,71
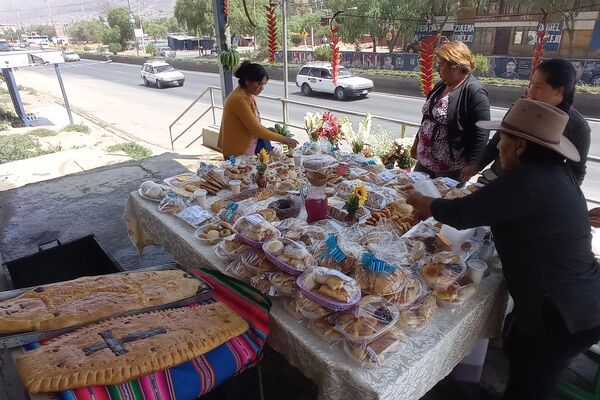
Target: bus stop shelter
10,61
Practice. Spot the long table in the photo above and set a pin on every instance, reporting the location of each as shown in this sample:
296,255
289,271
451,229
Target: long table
421,361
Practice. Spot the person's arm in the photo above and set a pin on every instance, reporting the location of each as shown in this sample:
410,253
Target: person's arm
243,111
498,202
478,109
580,137
490,152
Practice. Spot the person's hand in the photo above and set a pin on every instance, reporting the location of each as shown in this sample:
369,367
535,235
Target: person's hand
468,172
420,203
290,142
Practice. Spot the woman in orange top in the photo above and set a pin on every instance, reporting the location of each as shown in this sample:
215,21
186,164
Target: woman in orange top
240,125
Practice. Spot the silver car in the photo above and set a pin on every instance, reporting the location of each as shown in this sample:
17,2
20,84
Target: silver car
70,55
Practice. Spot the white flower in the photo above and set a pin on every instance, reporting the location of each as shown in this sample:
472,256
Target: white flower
364,128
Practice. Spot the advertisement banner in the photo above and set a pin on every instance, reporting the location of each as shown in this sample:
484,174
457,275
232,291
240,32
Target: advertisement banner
553,35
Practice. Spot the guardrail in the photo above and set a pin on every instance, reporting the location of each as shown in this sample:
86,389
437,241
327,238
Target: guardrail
285,103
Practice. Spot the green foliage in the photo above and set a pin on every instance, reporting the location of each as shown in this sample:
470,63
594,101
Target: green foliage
87,31
150,49
42,132
240,26
43,30
195,15
133,150
82,128
296,39
115,48
156,29
111,35
323,53
482,65
21,146
119,20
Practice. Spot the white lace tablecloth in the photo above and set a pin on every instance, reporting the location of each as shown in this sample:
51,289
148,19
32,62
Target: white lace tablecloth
407,373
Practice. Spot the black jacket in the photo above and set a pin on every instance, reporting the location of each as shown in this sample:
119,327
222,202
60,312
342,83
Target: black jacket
541,229
466,105
577,131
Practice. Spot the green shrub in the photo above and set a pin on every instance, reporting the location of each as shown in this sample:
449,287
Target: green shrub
133,150
482,65
323,53
150,49
82,128
114,48
296,39
42,132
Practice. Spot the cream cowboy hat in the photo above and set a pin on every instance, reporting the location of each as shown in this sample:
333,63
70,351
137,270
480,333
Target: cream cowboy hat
537,122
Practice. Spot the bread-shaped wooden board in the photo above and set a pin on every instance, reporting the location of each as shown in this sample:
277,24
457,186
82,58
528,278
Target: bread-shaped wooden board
88,299
117,350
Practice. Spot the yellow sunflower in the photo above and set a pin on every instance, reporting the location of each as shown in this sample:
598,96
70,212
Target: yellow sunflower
263,156
361,193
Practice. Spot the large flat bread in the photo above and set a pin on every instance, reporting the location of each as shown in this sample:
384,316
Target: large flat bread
120,349
88,299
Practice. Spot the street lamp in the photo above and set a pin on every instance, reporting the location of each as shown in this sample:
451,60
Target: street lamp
132,20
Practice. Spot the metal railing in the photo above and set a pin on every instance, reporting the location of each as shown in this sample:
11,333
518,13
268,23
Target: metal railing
285,103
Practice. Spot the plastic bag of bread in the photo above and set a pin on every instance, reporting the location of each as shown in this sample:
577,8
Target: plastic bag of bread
456,294
288,255
230,214
378,198
372,354
285,284
230,248
381,282
254,230
399,252
291,306
309,309
309,235
441,276
329,288
330,255
372,317
414,289
173,203
319,162
289,223
263,284
325,329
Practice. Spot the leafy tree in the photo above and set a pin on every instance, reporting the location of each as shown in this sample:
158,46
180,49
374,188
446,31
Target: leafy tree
195,15
559,10
87,31
150,49
156,29
111,35
44,30
119,19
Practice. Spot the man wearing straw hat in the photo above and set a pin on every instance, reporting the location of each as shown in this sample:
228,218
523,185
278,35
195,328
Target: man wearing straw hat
538,216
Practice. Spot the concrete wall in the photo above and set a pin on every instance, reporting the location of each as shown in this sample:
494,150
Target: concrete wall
500,96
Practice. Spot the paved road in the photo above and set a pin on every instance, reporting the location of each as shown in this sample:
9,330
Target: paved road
114,93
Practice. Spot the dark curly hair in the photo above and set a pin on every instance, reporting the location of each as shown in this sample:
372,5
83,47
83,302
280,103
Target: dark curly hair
250,72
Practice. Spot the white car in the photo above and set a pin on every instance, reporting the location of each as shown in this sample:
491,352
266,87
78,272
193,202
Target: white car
70,55
165,52
161,74
317,77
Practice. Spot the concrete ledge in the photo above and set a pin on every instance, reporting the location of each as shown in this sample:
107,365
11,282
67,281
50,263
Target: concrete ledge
500,96
210,137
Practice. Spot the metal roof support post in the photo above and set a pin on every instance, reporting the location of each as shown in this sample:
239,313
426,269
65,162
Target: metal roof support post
64,93
13,89
226,75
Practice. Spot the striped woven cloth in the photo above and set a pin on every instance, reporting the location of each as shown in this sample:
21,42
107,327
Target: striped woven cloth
199,376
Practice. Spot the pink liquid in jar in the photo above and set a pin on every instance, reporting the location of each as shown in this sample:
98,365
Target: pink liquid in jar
316,205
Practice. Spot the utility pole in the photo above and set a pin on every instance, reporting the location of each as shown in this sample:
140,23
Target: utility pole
132,20
285,47
139,3
50,12
82,9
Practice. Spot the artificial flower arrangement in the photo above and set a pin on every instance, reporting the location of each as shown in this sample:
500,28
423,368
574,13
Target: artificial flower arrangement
356,200
323,125
403,147
263,160
359,140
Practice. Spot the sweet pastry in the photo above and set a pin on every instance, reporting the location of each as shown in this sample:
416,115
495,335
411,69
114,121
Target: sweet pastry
327,329
120,349
309,308
437,275
275,247
411,321
87,299
372,353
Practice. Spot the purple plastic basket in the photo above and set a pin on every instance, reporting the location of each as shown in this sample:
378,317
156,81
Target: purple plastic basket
330,304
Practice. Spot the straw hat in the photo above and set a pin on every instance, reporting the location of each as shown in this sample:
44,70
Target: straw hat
537,122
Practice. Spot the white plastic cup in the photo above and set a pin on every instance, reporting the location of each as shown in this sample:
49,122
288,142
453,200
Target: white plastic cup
476,270
234,184
297,159
220,172
200,198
